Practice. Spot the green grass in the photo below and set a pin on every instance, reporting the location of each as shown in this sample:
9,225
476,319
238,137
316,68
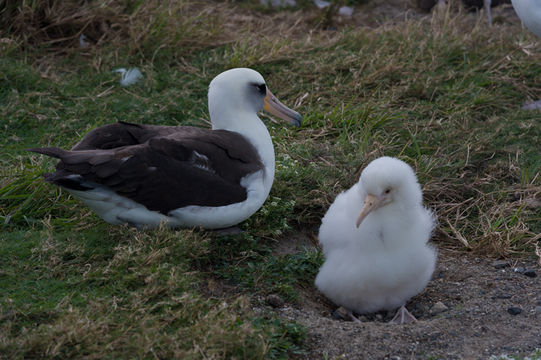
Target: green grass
533,356
442,95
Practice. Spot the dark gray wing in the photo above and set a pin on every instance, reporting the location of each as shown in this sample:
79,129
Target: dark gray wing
121,134
188,166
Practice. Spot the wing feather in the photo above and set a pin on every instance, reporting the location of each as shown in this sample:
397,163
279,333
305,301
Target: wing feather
161,167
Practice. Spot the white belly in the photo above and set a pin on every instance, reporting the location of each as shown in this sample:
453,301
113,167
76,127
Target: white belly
368,283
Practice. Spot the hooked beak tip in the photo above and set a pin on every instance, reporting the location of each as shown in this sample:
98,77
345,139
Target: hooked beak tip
371,203
275,107
297,120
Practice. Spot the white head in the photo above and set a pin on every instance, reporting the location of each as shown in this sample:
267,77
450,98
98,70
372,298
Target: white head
388,182
239,92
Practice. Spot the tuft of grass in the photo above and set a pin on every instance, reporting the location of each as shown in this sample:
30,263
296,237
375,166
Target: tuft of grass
146,27
275,274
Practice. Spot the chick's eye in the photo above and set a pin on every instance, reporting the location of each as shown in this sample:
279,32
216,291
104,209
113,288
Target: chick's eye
387,191
262,88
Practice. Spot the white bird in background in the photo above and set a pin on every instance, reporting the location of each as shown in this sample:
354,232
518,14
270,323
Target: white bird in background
375,241
529,12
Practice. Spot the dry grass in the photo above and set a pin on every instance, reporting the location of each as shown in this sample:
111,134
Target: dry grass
144,28
210,331
154,309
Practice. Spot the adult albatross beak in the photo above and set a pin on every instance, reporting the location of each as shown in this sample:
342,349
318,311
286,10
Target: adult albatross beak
275,107
371,203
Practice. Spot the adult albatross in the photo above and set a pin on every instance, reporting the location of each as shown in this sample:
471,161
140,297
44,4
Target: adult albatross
144,175
374,239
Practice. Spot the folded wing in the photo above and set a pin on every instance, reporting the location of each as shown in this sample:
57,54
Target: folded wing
161,167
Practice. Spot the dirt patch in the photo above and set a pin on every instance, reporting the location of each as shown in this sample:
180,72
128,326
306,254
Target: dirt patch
477,323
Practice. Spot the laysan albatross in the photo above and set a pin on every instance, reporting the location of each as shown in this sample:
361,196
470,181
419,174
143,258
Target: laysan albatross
145,175
375,241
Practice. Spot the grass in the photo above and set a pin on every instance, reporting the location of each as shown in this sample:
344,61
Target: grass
533,356
440,93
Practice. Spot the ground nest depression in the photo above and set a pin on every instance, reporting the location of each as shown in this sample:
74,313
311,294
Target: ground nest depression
473,308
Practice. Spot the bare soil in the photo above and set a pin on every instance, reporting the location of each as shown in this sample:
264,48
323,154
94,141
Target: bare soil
476,325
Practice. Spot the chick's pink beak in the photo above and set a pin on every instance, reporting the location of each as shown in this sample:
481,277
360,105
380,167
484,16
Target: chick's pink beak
371,203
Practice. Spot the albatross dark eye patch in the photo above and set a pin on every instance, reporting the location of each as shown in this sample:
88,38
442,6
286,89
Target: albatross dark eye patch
261,88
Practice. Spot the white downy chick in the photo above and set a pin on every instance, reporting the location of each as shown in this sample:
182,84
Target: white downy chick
375,241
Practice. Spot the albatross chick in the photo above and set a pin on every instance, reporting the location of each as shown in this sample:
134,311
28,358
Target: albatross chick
375,241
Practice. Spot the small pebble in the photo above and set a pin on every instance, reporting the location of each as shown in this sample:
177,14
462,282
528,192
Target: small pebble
534,105
274,300
438,308
503,296
528,272
500,264
420,309
363,318
341,314
514,310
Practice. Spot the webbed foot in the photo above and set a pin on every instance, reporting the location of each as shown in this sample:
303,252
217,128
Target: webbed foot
403,316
